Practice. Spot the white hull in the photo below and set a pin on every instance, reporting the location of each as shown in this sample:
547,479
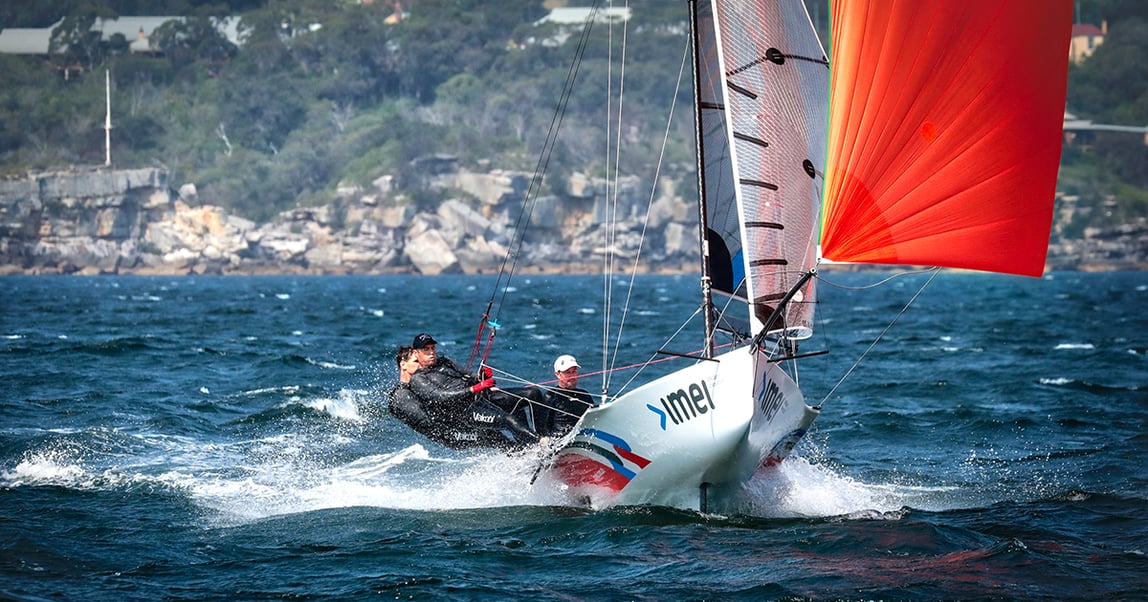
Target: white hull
715,423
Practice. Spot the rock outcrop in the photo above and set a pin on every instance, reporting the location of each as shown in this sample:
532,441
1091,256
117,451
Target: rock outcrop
96,220
1124,247
91,220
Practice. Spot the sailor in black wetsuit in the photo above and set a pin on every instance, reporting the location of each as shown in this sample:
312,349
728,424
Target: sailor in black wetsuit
466,411
402,401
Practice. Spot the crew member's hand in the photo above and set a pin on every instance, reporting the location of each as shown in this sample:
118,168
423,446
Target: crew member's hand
485,372
482,386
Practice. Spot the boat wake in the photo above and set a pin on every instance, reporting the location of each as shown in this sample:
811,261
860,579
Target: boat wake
800,488
316,451
287,474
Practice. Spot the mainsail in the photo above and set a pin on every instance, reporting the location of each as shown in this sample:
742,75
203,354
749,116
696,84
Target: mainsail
767,83
944,138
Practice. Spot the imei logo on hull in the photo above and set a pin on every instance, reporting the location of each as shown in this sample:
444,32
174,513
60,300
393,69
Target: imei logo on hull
684,404
771,400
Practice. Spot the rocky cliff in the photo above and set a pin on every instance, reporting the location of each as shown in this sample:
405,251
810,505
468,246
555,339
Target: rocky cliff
102,221
96,221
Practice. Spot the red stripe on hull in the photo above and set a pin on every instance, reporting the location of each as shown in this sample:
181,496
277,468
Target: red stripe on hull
575,470
632,457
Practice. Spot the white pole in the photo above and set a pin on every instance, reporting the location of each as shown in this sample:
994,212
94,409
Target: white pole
107,119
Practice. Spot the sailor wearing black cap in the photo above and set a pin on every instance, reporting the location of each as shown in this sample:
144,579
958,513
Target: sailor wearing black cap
469,411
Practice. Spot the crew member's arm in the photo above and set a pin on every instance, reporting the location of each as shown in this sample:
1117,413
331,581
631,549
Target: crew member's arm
450,368
440,388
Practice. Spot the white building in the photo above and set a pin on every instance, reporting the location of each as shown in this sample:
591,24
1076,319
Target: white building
137,31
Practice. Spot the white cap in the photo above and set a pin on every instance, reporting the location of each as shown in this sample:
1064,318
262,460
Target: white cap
565,362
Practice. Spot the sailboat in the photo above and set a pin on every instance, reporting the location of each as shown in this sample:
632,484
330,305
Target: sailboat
932,138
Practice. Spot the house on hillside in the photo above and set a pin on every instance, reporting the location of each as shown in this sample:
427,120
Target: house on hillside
1080,131
567,20
136,30
580,15
1085,39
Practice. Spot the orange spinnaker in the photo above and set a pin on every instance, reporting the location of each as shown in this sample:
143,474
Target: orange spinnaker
945,126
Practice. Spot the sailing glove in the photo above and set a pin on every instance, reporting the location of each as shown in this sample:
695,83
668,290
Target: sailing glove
482,386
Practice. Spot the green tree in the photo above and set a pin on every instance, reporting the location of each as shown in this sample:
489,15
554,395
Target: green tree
1112,87
351,57
445,37
194,40
1113,83
74,44
1113,11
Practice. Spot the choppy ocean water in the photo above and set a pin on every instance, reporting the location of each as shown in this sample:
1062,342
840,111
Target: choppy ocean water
204,438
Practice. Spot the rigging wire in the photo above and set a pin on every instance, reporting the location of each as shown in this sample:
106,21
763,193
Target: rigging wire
530,199
646,221
609,233
933,274
650,361
878,283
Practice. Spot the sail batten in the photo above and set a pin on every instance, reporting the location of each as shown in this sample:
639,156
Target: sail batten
743,91
774,225
944,138
747,138
758,183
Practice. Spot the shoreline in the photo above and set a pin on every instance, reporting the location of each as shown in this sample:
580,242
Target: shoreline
577,270
129,221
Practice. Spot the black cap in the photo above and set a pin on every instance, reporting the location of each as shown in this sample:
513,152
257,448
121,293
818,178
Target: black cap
423,340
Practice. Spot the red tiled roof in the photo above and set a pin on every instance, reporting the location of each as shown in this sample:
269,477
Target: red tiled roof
1085,29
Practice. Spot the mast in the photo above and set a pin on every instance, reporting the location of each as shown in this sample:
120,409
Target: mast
703,222
107,119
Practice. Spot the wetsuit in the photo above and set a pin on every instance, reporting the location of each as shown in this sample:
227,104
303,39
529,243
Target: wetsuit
461,418
405,406
564,408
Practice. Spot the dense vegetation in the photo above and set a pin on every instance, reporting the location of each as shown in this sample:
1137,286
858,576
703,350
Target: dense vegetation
327,92
1110,174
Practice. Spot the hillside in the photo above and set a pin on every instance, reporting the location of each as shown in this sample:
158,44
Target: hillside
327,96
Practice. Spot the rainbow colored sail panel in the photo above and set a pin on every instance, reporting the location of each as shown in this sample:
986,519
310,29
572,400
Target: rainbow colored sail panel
945,124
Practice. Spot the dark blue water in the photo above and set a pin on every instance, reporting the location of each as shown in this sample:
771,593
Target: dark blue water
224,438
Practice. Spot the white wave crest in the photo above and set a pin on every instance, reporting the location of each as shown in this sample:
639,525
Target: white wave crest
1075,346
44,469
344,406
330,365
